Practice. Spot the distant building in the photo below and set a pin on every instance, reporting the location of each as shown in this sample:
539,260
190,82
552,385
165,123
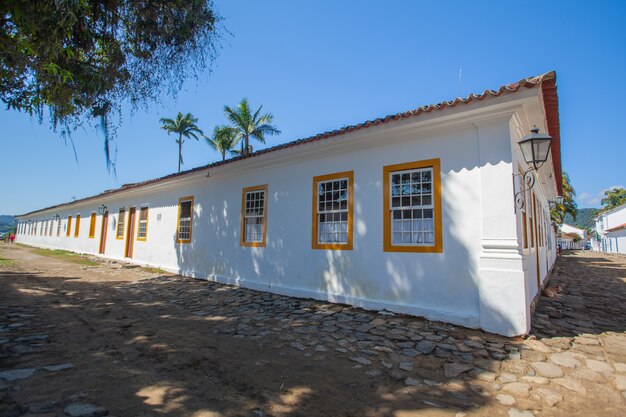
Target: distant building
413,212
571,237
611,231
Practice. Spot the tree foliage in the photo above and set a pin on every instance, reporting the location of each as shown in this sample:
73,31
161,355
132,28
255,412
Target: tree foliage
81,59
250,124
614,197
569,206
185,126
223,140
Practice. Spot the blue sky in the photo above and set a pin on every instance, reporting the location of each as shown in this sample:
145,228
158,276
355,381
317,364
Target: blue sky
320,65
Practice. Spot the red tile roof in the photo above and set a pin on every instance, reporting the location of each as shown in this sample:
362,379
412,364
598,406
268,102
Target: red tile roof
616,228
547,83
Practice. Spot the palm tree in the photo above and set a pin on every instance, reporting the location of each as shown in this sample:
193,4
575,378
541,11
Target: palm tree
614,197
185,126
224,140
569,204
250,125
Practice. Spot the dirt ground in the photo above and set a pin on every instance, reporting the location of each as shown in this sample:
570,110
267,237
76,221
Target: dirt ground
137,343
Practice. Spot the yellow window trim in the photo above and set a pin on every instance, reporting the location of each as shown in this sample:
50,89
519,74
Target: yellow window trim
68,232
242,232
92,226
182,200
77,229
435,164
121,213
314,238
142,239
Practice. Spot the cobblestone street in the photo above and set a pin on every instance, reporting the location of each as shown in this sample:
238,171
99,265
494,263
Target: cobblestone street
109,339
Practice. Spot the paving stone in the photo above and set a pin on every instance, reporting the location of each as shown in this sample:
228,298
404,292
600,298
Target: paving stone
297,345
549,397
537,380
620,367
425,346
571,384
85,410
55,368
387,365
566,359
514,412
599,366
373,373
506,377
537,346
547,370
32,337
17,374
361,360
452,370
483,375
411,381
519,389
505,399
320,348
588,375
620,382
406,366
41,407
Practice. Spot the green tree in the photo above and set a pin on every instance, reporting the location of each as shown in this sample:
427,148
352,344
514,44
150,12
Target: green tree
224,140
250,125
614,197
81,60
185,126
569,206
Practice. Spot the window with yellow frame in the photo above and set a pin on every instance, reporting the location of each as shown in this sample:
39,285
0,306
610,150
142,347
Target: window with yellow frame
142,231
412,207
184,223
77,229
92,226
121,221
333,204
253,216
69,226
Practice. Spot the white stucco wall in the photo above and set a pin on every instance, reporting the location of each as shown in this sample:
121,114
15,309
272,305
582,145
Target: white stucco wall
481,279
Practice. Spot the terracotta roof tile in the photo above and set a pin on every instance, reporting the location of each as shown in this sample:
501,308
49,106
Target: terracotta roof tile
546,81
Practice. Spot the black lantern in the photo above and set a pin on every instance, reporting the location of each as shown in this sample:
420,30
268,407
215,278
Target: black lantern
536,147
102,209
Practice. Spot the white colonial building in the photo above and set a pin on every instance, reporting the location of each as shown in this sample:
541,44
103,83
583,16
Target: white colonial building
571,237
415,213
611,231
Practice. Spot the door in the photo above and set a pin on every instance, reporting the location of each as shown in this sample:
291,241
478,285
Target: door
535,227
130,235
103,232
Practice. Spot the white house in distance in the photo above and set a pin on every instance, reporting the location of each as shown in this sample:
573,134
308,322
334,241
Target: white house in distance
571,237
414,212
611,231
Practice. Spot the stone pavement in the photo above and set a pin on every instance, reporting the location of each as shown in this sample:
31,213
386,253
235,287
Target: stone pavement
573,362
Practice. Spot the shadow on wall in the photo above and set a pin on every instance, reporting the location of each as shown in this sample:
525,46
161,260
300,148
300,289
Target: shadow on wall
420,283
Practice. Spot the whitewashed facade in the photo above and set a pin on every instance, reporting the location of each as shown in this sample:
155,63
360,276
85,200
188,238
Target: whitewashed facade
611,231
471,258
567,237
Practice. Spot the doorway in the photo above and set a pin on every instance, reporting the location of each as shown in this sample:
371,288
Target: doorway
130,233
103,232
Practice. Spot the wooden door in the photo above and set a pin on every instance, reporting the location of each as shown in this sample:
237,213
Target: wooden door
130,235
103,232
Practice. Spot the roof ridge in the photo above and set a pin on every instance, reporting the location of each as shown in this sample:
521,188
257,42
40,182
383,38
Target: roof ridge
528,82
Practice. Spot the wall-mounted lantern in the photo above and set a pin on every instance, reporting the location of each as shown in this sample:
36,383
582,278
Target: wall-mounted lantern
556,201
536,147
57,217
102,209
535,150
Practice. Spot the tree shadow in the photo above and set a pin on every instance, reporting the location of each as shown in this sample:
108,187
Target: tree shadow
212,350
